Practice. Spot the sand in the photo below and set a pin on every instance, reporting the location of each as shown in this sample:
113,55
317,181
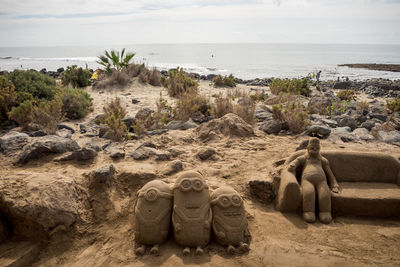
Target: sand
277,239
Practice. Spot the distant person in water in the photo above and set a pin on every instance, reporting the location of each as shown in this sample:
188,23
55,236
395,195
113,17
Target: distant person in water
318,75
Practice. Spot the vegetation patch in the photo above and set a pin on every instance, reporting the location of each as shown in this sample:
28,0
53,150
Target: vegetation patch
179,83
76,103
346,95
293,86
76,77
394,105
226,81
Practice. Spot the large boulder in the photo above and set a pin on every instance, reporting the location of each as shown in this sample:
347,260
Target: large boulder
13,141
49,144
271,126
36,205
364,134
230,125
390,137
317,130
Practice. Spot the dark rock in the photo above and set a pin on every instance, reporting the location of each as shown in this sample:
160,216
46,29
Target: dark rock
262,115
43,71
135,101
271,126
103,129
50,144
330,123
129,121
157,132
345,120
172,167
145,152
199,117
37,133
116,152
143,114
319,131
104,174
181,125
262,190
303,145
82,128
211,77
206,153
60,70
85,153
381,117
13,141
64,133
65,126
342,85
369,124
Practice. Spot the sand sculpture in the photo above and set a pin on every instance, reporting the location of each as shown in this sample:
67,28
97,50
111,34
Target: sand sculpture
152,216
229,219
191,216
314,184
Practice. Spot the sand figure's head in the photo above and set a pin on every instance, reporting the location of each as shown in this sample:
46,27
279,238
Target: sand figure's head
190,181
313,147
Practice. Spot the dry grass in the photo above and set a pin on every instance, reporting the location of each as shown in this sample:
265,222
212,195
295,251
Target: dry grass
114,112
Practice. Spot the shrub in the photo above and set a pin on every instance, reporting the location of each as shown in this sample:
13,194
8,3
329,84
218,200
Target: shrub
190,103
228,81
293,86
222,106
294,114
394,105
114,112
346,95
245,109
180,83
115,60
135,69
76,77
337,107
155,77
32,85
363,105
47,115
144,76
22,114
8,98
76,103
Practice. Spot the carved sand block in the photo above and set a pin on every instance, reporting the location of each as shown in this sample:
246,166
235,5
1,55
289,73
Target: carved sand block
191,216
229,220
314,183
152,216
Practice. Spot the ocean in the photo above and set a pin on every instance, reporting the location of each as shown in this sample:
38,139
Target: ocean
246,61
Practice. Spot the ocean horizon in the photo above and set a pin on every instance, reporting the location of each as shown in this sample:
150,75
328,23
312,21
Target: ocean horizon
243,60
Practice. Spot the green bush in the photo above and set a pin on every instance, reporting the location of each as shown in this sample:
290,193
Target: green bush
228,81
22,114
190,103
76,77
179,83
8,98
114,112
293,86
346,95
77,103
293,113
394,105
32,85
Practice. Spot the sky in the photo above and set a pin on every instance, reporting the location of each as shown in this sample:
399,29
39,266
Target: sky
107,22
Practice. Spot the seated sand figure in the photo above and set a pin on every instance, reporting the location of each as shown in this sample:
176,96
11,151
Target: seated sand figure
314,184
191,216
152,216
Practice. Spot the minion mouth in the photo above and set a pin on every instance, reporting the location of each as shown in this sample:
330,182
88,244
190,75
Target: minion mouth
192,207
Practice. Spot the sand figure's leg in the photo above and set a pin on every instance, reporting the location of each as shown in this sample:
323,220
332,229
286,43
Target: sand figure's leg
140,250
324,202
199,251
308,194
244,247
231,249
186,251
154,250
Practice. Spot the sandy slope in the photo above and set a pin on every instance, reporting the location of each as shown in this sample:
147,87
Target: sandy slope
277,239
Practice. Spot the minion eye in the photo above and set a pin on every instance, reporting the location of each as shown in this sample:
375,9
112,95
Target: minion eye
198,183
151,195
186,184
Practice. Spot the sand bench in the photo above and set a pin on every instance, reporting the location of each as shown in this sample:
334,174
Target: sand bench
370,184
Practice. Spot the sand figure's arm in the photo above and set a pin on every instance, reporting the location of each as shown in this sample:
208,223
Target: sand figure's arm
331,177
295,163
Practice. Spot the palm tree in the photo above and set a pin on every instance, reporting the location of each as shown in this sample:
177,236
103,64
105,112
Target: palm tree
115,60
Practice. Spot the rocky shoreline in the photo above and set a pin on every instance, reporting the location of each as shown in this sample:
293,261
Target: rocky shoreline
374,66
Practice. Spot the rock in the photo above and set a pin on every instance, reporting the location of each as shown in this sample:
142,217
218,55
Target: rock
13,141
117,153
343,133
85,153
317,130
262,190
157,132
64,133
129,121
60,70
37,133
262,115
172,167
181,125
211,77
82,128
369,124
143,114
346,120
271,126
103,175
65,126
50,144
342,85
381,117
35,205
199,117
162,155
330,123
147,149
229,125
389,137
364,134
206,153
135,101
303,145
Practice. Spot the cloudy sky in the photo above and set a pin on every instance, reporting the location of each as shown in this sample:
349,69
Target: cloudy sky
107,22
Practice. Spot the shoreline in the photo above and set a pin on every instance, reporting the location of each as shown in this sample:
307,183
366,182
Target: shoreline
373,66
